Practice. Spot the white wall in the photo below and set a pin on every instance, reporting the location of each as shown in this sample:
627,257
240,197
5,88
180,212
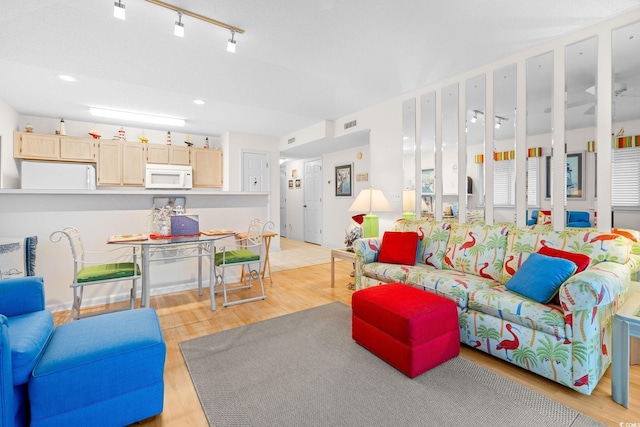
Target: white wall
9,175
336,218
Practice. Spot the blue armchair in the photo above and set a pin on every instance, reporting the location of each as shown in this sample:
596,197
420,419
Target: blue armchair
533,219
578,219
25,330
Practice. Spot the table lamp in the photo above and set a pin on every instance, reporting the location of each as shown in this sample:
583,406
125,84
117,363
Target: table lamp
409,204
370,200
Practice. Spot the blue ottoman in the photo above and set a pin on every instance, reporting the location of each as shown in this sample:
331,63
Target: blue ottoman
100,371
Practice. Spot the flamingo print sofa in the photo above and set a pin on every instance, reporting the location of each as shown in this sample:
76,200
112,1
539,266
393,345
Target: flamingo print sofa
567,340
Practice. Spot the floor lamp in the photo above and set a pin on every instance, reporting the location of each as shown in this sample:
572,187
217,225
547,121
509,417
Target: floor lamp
370,200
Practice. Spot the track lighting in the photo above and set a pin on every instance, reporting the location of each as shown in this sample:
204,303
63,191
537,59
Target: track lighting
475,117
231,45
179,27
498,122
118,10
178,30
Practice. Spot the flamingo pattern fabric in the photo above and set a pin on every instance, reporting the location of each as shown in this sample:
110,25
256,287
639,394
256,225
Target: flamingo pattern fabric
478,249
568,342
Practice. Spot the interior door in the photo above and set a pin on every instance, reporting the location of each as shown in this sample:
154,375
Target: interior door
313,201
255,172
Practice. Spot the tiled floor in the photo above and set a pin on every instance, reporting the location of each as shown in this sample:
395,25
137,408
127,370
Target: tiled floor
295,254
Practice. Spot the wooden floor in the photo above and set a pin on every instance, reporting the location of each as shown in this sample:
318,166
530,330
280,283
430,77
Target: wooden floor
185,315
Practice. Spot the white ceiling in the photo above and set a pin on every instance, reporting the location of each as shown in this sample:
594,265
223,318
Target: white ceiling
298,63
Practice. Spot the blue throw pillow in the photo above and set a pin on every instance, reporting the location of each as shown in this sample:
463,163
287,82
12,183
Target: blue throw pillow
540,277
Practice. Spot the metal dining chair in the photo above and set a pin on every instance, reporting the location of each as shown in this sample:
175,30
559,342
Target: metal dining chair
247,253
87,272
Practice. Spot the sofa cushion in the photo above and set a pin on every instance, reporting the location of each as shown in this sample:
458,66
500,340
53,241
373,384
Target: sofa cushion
499,302
477,249
433,237
540,277
399,247
581,261
451,284
28,335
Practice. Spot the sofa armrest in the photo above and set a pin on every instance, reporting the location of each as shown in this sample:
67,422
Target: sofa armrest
367,249
7,410
21,295
598,285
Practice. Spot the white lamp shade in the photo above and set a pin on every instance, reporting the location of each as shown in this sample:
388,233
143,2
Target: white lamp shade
370,200
408,200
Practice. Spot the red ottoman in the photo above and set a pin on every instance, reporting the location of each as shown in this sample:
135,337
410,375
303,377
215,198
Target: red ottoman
411,329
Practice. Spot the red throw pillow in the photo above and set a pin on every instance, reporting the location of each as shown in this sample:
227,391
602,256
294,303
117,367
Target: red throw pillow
581,261
399,247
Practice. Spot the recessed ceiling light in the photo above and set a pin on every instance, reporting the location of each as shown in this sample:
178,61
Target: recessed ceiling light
67,78
198,101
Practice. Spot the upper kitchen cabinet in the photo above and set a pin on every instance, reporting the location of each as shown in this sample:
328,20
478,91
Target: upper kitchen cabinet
168,155
120,163
35,146
207,167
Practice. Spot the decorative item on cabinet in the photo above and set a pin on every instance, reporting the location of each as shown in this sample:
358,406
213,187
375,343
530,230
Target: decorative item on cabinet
168,137
63,130
94,132
28,128
143,139
206,142
188,140
121,134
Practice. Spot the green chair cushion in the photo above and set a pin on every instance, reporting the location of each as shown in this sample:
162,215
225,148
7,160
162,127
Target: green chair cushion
106,271
236,256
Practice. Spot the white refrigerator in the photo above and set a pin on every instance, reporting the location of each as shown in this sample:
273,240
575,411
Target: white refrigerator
57,176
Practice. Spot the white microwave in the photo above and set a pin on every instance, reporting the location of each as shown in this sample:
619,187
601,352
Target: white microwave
168,177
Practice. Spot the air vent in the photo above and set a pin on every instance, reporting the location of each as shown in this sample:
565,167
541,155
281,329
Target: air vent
350,124
291,140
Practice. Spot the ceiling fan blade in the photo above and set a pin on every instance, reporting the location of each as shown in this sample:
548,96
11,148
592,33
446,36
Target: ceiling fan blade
573,104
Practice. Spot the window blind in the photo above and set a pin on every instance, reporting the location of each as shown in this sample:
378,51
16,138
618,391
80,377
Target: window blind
625,177
504,180
533,168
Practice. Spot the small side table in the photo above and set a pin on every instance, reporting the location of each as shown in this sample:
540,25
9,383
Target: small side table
626,323
346,254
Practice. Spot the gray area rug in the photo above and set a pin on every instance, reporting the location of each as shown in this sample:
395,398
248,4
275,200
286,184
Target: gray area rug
303,369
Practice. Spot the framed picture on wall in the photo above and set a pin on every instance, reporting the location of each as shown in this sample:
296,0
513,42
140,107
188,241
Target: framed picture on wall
298,183
574,175
344,180
428,181
290,183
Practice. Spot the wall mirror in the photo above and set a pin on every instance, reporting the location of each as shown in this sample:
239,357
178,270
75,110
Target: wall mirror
475,125
581,61
427,153
409,156
504,178
625,193
539,89
449,150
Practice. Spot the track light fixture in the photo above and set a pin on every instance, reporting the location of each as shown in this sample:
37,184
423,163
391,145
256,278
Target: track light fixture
118,10
179,27
499,121
231,45
178,30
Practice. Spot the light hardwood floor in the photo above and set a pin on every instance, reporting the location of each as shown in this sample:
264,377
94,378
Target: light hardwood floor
185,315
